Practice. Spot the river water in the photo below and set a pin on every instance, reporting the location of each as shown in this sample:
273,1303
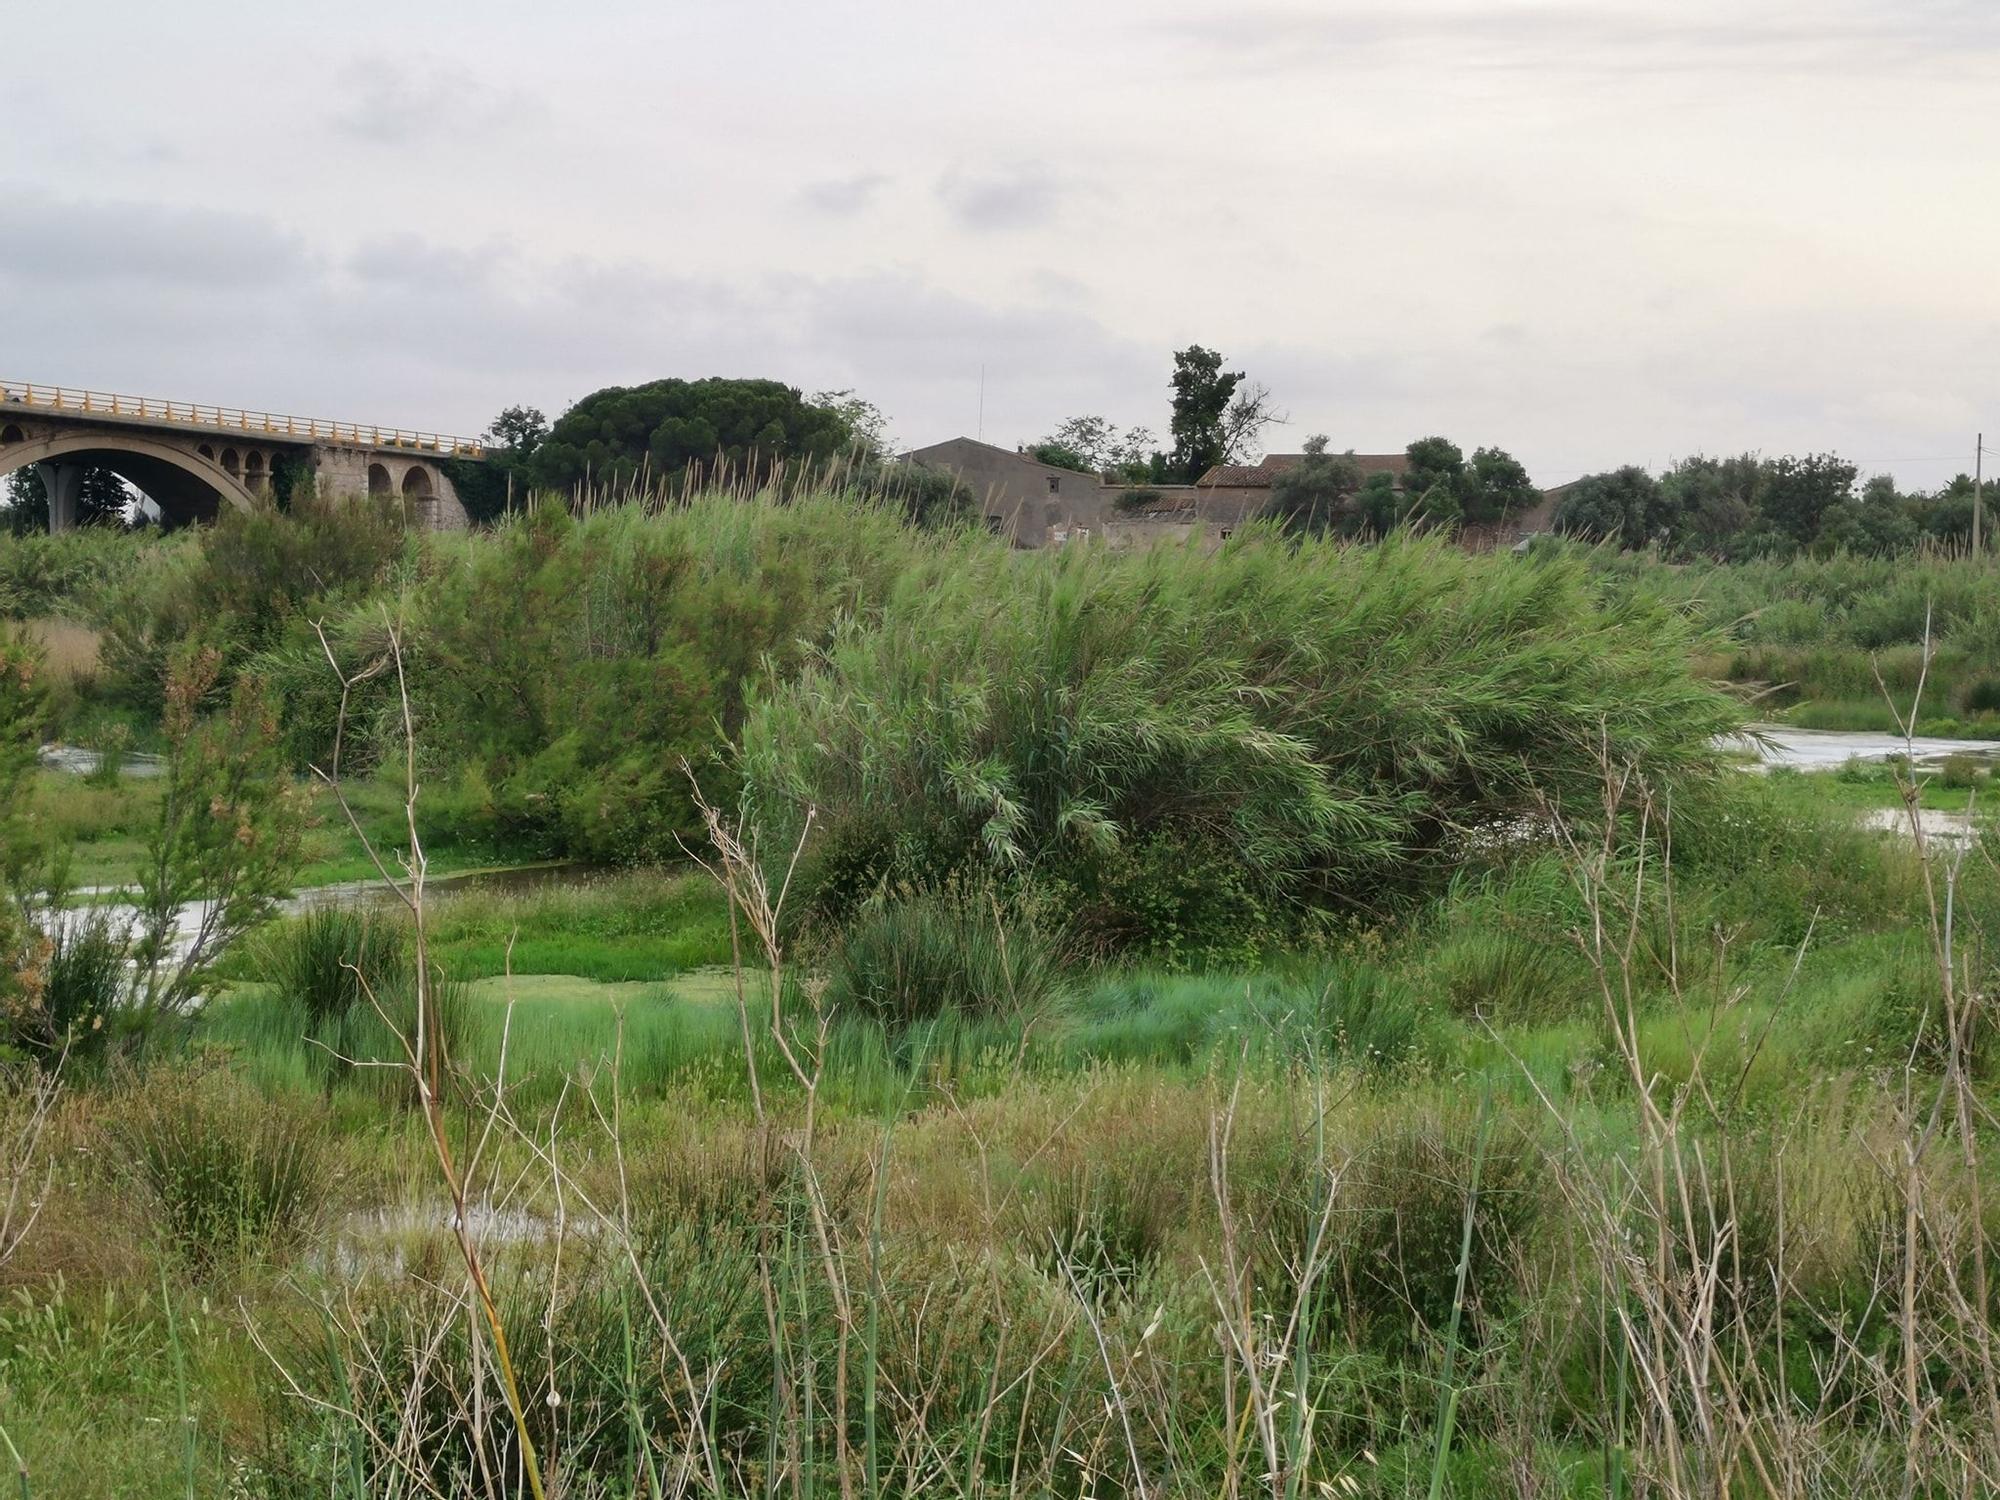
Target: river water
1830,749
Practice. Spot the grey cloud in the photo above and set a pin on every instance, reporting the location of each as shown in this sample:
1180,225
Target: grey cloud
416,264
1024,198
842,197
48,239
388,103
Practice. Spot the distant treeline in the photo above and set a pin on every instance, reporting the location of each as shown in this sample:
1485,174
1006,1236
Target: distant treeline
1750,506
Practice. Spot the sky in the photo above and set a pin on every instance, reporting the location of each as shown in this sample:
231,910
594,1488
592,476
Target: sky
1592,233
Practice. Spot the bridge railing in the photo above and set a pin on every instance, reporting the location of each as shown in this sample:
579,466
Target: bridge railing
72,402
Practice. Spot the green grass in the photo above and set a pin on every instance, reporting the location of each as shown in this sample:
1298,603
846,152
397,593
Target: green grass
1866,787
105,828
637,926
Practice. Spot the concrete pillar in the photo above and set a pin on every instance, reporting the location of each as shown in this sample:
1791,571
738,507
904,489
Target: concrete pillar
62,483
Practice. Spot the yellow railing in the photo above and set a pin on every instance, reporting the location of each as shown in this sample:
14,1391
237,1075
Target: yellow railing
63,399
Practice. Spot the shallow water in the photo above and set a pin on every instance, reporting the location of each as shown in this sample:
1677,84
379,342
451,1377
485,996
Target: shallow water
382,1240
76,759
1830,749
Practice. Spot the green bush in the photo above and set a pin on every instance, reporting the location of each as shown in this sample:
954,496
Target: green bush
565,666
1399,1219
1320,724
1980,696
1961,772
72,575
82,984
1106,1228
242,583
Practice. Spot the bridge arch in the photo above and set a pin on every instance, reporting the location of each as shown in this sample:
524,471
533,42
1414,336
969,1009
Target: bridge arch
185,485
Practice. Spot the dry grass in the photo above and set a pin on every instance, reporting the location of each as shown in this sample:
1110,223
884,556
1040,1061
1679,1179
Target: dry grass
70,649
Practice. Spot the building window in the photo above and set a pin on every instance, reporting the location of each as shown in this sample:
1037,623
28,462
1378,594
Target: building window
1055,485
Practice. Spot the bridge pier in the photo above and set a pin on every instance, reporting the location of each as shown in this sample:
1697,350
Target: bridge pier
62,483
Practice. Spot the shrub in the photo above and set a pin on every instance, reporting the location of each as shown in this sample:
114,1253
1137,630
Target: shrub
900,961
1792,622
239,583
1960,772
1981,696
1106,1229
83,983
112,747
224,1171
569,664
71,575
1323,723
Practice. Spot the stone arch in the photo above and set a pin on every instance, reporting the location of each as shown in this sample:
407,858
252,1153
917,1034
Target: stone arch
253,469
11,434
417,483
379,482
230,461
202,486
207,451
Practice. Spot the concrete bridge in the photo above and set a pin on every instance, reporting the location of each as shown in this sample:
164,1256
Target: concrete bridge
192,460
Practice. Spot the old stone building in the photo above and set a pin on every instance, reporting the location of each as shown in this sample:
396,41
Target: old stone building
1034,503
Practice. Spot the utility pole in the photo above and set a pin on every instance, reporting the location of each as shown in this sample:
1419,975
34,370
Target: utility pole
1978,475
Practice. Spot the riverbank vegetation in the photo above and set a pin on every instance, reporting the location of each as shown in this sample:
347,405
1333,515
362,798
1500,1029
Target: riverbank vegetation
1308,1019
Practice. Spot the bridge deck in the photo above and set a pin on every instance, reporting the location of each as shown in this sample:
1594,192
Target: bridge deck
149,411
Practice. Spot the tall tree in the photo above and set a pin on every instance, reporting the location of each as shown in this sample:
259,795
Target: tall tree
1311,496
1713,501
1202,393
1798,492
1436,464
867,426
751,427
1093,445
1626,504
1495,485
486,488
1217,419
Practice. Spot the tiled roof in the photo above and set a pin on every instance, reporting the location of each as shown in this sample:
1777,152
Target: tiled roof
1260,475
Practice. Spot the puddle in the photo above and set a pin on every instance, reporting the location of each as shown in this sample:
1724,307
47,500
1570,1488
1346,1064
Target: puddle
377,1241
1938,824
81,762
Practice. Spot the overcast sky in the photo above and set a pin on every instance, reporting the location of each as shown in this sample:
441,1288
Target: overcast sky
1592,233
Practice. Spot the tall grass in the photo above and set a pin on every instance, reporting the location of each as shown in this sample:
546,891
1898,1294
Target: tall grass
1814,632
225,1172
913,959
